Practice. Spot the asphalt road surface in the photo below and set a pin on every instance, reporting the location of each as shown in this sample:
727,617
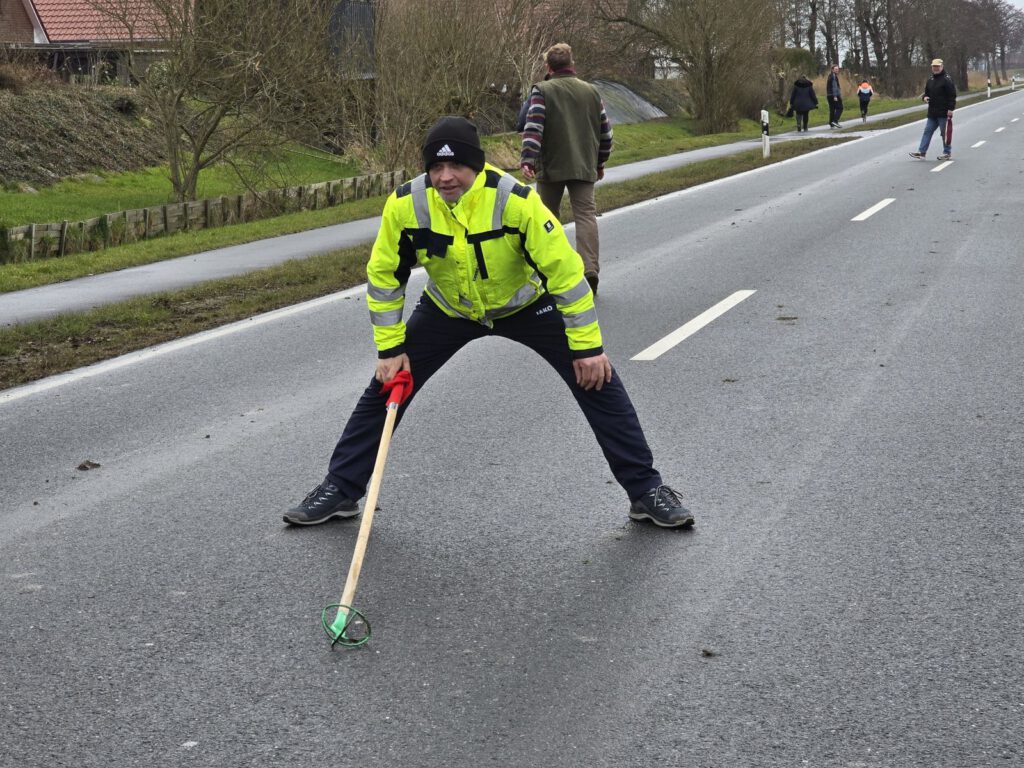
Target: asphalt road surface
849,436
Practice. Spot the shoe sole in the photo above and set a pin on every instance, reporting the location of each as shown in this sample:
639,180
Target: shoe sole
342,513
684,523
917,157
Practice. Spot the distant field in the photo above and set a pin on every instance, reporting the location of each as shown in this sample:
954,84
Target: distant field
94,194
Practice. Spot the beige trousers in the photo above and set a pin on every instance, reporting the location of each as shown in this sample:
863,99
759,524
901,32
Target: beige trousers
584,213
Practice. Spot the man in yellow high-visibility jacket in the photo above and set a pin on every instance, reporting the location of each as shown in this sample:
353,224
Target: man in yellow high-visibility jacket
498,264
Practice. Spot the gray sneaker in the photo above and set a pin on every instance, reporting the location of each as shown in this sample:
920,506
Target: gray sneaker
320,505
944,156
662,506
918,155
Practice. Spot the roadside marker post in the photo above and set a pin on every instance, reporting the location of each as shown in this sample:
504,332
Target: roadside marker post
766,149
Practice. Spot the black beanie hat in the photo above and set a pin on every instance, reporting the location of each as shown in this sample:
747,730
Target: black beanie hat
454,139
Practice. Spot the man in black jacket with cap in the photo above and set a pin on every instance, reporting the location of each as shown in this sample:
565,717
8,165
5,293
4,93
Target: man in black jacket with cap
940,95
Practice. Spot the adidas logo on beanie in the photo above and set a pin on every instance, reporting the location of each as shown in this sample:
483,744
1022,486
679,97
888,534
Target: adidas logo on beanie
453,139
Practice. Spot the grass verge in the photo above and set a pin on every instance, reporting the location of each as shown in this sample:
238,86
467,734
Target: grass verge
94,194
31,274
35,350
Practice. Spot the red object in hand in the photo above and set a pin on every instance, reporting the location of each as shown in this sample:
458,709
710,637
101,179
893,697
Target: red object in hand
398,389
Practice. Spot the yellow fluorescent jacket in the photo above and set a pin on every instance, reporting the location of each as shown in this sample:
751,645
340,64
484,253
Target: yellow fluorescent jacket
490,255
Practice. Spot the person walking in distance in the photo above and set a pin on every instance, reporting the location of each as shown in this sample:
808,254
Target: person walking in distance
802,100
864,94
566,143
834,94
498,264
940,95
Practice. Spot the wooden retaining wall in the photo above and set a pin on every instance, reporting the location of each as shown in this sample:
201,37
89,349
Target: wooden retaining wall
42,241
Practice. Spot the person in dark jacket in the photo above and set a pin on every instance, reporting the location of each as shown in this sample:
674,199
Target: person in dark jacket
521,118
802,100
940,95
834,94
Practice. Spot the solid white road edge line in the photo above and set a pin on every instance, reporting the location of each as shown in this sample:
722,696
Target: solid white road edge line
663,345
941,166
873,209
60,379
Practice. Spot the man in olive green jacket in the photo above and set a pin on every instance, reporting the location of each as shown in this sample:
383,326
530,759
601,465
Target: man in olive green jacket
566,142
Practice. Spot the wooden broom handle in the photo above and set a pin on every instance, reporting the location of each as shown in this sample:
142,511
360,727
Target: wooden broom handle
371,505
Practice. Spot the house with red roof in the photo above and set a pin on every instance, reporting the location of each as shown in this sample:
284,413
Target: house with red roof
76,38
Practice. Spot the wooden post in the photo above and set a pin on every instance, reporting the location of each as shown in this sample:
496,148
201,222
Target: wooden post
63,237
32,242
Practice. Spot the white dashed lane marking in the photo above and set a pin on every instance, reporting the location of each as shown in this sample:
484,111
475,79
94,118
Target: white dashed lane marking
666,343
873,209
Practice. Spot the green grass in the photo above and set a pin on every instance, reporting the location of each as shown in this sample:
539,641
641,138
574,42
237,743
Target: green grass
31,274
92,195
668,135
34,350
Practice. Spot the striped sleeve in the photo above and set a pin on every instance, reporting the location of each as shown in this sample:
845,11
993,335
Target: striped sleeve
533,133
604,147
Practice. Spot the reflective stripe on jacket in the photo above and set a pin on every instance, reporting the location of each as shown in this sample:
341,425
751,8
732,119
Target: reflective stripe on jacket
490,255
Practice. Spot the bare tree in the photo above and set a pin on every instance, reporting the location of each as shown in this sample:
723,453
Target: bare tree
720,46
430,57
233,78
794,21
525,33
527,28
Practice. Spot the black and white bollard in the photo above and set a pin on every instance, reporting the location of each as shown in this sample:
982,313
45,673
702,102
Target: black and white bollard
766,149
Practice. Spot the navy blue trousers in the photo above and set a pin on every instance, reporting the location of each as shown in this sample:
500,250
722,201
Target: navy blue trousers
432,338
